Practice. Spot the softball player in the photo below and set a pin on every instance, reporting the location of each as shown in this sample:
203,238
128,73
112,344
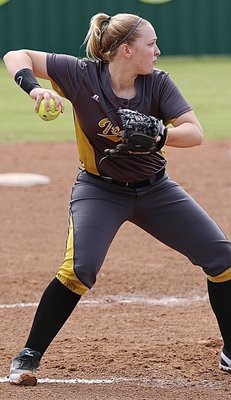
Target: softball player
119,72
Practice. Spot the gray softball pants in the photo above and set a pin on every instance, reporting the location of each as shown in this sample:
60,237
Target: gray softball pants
163,209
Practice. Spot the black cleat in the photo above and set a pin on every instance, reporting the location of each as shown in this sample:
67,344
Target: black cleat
225,362
23,368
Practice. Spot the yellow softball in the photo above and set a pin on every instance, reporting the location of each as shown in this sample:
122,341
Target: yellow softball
51,114
3,2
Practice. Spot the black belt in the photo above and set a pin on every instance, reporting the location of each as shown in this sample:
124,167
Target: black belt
132,185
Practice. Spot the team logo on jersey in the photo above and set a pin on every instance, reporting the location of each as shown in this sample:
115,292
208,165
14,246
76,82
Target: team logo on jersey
110,131
95,97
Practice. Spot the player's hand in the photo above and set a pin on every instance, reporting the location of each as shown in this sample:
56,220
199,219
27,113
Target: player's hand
38,94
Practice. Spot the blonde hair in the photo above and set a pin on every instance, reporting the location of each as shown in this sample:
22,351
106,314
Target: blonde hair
107,33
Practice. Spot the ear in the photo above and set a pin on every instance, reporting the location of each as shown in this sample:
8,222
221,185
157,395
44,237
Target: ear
126,50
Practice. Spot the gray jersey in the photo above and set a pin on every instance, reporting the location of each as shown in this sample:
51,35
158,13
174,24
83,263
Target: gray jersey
98,126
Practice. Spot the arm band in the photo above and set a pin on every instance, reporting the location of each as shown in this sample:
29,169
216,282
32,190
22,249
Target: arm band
26,80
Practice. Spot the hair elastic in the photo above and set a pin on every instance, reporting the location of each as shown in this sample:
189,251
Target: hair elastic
104,26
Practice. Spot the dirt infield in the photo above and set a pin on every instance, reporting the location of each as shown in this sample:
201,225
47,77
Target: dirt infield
146,330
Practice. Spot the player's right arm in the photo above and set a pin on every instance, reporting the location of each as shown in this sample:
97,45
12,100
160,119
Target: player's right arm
18,60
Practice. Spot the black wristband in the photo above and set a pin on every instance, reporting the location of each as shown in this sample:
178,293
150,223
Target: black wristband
26,80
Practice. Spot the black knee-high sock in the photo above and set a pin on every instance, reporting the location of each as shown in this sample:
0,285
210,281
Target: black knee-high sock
220,299
55,307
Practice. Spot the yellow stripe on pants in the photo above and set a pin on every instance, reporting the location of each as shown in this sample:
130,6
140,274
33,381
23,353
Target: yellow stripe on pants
66,274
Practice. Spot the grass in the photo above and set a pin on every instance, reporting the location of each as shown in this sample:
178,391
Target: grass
20,123
204,81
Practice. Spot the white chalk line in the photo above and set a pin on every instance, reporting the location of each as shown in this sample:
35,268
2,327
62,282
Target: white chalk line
18,305
167,301
129,300
142,381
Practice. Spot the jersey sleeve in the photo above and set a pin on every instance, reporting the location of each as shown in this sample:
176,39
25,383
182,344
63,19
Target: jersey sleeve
172,103
66,74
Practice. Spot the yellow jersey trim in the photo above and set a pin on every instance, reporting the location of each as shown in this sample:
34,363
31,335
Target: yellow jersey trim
224,277
85,150
57,88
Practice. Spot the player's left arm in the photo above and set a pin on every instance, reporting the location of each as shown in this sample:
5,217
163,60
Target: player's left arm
186,131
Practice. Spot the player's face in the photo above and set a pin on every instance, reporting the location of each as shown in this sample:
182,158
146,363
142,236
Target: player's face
145,50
